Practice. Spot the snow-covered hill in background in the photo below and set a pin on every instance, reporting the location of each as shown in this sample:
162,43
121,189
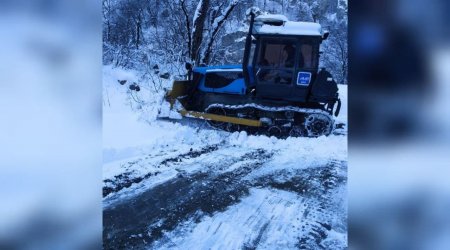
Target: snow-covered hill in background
182,185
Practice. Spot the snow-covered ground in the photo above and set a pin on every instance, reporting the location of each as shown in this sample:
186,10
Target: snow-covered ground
184,186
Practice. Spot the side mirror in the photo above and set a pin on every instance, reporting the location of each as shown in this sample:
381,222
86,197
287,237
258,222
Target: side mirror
188,66
325,35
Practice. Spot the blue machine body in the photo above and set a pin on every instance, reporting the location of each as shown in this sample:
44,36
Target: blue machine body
224,79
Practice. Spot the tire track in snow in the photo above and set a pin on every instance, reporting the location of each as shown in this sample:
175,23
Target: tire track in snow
146,217
298,212
262,219
255,242
126,179
174,167
325,213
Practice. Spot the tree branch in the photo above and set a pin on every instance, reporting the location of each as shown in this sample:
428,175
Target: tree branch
218,22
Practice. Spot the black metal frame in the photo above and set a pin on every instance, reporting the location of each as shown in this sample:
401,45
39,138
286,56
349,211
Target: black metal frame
248,44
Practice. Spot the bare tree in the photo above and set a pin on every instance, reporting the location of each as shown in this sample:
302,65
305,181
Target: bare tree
142,33
188,27
217,24
197,29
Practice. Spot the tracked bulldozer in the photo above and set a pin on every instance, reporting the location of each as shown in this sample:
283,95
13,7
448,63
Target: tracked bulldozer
278,90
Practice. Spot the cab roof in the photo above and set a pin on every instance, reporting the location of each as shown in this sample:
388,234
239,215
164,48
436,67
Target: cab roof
279,24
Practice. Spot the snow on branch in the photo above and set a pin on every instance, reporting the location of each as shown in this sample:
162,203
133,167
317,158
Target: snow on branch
198,10
217,24
220,19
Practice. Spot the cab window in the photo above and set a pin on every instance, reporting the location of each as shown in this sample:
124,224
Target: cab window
278,55
276,62
307,59
221,79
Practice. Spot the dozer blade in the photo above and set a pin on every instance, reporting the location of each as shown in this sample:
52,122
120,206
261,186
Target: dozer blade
172,108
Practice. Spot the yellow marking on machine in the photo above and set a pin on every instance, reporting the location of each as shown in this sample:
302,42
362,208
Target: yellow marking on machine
221,118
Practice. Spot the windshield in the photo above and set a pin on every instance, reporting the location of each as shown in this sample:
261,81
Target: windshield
278,55
276,61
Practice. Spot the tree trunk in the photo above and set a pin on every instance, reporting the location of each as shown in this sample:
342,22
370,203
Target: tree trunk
197,33
138,30
188,28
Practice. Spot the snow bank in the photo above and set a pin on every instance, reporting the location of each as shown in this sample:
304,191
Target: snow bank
127,124
293,153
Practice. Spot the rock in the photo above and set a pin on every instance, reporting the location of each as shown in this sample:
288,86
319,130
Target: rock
165,75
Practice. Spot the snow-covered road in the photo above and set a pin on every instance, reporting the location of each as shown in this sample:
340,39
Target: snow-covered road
216,198
172,186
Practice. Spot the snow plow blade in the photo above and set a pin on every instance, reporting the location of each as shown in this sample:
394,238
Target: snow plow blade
179,88
175,110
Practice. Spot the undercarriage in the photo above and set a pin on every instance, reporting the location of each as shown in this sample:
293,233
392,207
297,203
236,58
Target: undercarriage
273,121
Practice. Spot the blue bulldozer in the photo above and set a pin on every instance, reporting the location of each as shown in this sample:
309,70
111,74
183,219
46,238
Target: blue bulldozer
278,90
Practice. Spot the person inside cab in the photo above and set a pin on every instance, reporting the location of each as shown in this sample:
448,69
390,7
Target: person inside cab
289,50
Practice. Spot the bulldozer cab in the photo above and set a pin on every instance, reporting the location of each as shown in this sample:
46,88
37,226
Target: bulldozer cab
284,68
283,57
278,60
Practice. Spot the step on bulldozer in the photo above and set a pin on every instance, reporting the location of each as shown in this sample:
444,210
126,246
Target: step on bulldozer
278,90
